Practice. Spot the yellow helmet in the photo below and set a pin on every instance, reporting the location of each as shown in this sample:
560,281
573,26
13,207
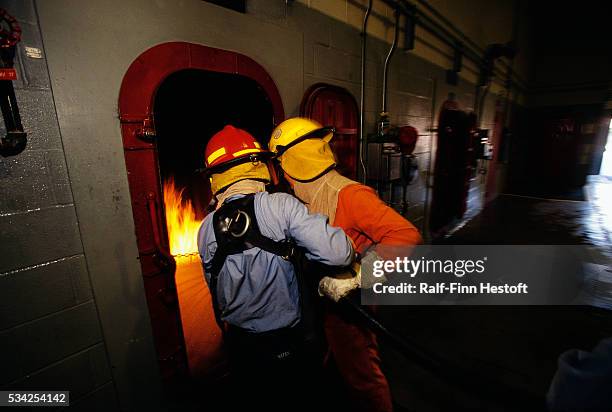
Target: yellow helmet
302,146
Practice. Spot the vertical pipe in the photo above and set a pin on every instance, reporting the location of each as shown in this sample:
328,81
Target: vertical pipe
387,60
509,72
481,97
409,30
428,180
364,35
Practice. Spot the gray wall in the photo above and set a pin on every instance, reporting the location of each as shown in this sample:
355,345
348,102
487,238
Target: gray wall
417,88
70,279
50,334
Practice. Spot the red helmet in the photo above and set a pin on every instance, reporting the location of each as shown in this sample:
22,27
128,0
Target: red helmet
232,146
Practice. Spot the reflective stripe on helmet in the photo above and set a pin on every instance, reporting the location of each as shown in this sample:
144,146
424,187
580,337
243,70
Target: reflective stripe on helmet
215,155
230,144
255,158
245,151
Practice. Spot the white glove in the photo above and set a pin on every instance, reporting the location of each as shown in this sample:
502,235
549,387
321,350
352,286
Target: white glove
367,265
336,289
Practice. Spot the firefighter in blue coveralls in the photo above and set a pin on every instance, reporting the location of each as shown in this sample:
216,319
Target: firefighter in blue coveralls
253,282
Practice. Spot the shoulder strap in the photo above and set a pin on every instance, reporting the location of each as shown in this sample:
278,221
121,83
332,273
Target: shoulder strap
253,237
226,245
236,230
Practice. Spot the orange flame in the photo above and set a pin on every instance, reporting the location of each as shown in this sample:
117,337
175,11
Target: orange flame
180,220
203,339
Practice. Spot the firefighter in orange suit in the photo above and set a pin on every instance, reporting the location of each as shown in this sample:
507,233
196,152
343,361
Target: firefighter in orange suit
306,159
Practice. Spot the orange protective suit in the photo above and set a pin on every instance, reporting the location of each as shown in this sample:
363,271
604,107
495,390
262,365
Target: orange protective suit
302,146
367,220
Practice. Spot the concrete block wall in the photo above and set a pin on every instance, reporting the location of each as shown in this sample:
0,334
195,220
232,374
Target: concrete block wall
416,85
50,335
73,313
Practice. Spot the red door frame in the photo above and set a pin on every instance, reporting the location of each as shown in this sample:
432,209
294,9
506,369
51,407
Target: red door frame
136,100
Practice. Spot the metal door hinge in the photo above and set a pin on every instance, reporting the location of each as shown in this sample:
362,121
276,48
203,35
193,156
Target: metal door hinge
147,131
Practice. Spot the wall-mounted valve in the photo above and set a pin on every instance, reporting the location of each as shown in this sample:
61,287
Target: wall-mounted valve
15,140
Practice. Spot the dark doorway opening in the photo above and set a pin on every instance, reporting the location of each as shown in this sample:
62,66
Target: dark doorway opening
190,106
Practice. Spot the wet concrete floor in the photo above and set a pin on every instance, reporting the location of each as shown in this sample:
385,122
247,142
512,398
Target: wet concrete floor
513,349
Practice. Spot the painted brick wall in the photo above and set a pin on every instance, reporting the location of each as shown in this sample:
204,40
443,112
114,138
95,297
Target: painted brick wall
417,86
50,336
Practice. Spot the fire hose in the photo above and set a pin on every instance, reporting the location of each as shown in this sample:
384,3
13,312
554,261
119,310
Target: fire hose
469,381
346,293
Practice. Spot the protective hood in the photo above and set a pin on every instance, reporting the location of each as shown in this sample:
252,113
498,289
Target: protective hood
242,187
258,171
321,195
308,159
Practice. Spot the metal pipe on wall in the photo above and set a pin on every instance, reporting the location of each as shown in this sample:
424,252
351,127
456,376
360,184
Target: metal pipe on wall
435,28
428,179
448,23
364,35
387,60
470,49
510,74
479,101
479,49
